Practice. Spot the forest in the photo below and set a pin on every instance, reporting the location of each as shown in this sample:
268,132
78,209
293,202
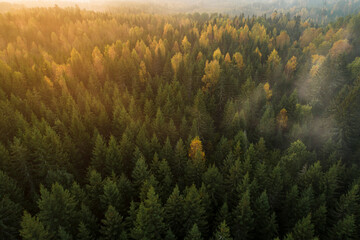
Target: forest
123,125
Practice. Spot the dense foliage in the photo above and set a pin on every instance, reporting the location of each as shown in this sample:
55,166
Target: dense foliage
139,126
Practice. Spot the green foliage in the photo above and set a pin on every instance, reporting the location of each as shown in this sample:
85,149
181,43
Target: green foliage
170,126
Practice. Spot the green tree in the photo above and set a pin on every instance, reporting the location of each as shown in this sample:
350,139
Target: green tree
113,225
194,233
57,208
150,218
223,232
32,228
243,220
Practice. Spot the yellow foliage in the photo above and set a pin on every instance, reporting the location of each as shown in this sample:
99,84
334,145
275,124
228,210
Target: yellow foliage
340,47
257,51
282,40
217,54
317,61
291,66
273,59
244,35
175,61
98,61
142,72
267,91
282,119
176,47
227,58
48,82
186,45
204,40
212,74
196,148
168,29
239,60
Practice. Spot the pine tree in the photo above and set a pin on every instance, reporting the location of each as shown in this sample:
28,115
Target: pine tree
303,229
113,226
223,232
84,233
150,218
265,220
173,210
243,221
140,173
32,228
194,233
194,210
57,208
99,154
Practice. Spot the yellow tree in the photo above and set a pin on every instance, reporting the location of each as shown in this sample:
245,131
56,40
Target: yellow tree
212,74
98,61
186,45
291,66
239,60
273,60
267,91
227,58
282,40
340,47
282,119
175,61
196,148
217,54
143,74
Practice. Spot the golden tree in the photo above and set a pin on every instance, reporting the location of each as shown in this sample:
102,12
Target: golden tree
186,45
282,40
267,91
212,74
196,148
282,119
291,66
239,60
175,61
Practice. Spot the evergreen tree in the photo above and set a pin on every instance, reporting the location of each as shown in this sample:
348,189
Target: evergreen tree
150,218
223,232
194,233
243,221
113,226
32,228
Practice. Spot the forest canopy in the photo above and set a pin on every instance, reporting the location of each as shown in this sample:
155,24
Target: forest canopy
178,126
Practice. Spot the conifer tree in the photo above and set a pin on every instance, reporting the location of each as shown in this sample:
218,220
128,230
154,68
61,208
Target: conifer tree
149,222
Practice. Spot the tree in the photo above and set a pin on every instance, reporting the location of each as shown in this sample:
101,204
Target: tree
113,226
194,233
243,221
239,60
265,220
57,208
32,228
282,119
290,66
173,210
303,229
175,62
223,232
283,40
186,45
194,210
212,74
150,218
140,173
196,148
10,215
